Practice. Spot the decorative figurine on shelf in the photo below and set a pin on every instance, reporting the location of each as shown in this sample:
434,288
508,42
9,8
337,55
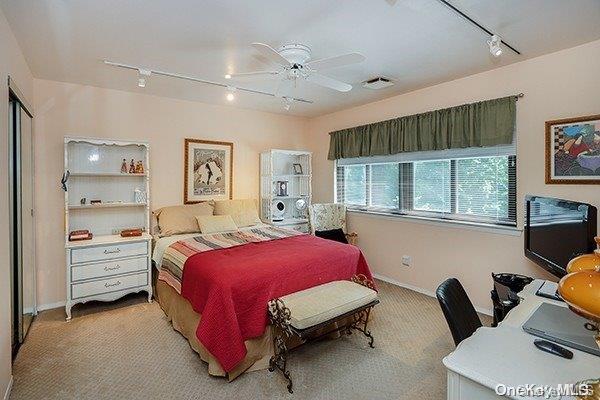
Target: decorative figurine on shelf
132,167
83,201
139,167
124,166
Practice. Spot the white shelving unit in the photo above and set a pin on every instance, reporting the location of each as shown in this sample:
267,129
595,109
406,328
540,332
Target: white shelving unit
278,166
108,266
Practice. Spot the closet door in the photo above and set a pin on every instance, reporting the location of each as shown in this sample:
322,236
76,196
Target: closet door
27,223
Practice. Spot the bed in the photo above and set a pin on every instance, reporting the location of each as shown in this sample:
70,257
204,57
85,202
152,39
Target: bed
214,287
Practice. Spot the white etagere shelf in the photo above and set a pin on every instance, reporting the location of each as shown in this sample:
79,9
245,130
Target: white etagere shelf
107,266
294,169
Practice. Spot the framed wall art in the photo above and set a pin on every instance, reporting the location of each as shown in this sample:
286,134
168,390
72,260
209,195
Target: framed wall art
573,150
208,170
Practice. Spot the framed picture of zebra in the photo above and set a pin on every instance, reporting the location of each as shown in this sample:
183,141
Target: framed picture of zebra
208,170
573,150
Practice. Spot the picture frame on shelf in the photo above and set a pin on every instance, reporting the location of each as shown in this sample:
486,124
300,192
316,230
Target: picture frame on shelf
282,188
297,169
573,151
208,170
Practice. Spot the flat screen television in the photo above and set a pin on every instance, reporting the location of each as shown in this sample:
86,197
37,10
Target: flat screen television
557,230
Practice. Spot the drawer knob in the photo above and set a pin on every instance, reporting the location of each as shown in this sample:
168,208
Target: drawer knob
107,285
116,267
117,250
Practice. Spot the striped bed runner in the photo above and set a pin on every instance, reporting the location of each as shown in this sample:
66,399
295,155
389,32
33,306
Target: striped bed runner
177,254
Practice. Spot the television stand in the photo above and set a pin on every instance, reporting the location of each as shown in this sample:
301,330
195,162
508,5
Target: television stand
549,290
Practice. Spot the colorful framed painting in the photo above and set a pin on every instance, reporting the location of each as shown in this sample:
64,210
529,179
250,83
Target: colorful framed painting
573,150
208,170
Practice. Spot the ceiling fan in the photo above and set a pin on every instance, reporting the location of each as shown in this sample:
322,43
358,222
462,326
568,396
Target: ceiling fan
295,64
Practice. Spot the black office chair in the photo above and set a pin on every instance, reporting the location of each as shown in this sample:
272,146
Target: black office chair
458,310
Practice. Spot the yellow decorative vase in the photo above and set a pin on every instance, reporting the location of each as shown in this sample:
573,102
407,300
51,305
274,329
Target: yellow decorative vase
581,291
587,261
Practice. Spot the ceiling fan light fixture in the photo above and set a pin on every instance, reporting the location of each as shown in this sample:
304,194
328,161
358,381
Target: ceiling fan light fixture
143,75
230,96
494,45
227,76
287,103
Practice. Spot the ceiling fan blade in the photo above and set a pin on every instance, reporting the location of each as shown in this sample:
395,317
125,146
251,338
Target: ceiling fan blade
337,61
328,82
257,74
285,87
271,54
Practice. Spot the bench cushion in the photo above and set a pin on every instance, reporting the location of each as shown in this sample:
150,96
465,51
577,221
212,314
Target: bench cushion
321,303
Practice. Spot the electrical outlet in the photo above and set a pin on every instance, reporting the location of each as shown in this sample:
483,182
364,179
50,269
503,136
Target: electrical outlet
406,260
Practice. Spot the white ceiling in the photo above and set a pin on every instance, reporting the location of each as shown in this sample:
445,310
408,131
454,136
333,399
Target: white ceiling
415,42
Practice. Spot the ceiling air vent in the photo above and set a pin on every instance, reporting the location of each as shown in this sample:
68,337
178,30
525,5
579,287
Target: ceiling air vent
378,83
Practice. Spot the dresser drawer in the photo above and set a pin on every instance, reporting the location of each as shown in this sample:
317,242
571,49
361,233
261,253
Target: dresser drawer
108,268
118,283
108,252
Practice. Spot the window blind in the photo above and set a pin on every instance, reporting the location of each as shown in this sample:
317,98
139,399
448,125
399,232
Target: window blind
473,184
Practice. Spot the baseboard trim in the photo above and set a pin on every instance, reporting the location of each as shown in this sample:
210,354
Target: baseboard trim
426,292
50,306
8,388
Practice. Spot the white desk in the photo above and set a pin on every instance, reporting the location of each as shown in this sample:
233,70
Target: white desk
506,355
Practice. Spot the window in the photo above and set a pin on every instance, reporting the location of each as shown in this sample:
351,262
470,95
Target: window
355,183
431,185
479,188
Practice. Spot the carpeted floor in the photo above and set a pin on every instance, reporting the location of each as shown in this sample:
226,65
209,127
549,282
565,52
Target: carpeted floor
128,350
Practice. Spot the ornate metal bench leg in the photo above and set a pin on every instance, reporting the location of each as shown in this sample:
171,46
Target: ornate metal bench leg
360,322
363,316
279,315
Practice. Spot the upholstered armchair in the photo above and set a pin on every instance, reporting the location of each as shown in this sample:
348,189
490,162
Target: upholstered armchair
328,216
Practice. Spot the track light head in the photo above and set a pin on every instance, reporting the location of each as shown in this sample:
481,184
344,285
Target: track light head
494,44
143,75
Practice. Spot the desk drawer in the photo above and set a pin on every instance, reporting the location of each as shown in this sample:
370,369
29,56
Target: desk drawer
108,252
108,268
118,283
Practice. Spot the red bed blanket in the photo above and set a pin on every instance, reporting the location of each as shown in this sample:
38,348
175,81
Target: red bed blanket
230,287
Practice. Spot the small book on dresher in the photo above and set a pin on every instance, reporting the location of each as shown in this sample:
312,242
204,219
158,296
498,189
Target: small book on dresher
82,234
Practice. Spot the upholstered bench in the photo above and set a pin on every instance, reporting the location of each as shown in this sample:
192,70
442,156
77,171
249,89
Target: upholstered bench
309,315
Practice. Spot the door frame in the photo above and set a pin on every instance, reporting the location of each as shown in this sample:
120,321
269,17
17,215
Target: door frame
17,102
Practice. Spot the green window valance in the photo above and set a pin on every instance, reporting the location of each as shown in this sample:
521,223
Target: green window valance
481,124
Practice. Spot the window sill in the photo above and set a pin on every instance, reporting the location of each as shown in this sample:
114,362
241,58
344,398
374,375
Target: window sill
476,226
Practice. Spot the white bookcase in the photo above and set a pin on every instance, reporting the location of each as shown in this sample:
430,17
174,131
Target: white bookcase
294,168
108,266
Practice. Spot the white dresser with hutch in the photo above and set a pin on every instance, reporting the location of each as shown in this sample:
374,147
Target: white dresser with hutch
107,266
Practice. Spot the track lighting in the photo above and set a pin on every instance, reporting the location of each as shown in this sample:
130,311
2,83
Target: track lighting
143,74
494,44
230,96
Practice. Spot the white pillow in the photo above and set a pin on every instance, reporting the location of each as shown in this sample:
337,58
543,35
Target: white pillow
216,223
176,220
244,212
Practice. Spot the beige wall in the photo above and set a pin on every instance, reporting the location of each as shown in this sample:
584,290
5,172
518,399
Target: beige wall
12,63
560,85
69,109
